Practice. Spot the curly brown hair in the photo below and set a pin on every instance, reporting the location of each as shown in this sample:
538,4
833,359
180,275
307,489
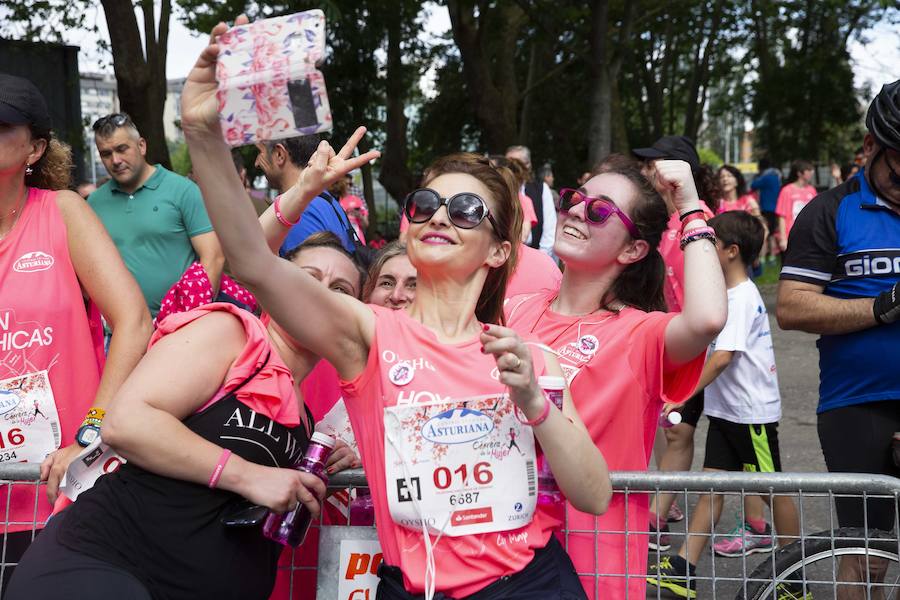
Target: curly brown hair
53,170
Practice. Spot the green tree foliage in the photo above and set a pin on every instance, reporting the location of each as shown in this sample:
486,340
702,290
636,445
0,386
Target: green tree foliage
804,103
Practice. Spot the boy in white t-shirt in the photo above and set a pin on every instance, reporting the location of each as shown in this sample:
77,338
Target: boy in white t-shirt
743,406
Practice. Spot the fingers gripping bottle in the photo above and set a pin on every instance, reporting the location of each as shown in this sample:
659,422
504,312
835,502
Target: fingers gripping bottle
289,529
548,492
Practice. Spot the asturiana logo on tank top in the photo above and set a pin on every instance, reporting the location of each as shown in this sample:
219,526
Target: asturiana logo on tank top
32,262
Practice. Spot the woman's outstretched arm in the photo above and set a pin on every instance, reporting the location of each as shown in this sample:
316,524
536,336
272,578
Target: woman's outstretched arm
335,327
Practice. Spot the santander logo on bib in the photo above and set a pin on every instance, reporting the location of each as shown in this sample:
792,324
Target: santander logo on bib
31,262
457,426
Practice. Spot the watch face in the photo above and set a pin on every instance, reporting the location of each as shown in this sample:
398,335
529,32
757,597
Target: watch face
87,434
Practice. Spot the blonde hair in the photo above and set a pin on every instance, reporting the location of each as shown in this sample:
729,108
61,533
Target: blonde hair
53,170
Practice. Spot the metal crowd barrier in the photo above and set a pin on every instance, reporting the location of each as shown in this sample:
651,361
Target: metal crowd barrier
814,564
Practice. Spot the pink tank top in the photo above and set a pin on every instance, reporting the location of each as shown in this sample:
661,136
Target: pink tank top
741,203
464,564
44,326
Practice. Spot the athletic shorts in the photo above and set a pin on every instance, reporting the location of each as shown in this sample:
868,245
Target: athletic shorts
858,439
692,409
549,576
741,447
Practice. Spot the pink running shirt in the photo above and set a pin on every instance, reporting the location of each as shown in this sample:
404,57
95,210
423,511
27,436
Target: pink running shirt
615,368
744,203
673,257
44,326
791,200
464,564
535,272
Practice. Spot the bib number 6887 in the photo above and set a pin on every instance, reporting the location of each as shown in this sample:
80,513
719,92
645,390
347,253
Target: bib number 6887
480,473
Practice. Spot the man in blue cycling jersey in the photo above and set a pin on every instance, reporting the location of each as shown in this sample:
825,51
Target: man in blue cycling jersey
841,280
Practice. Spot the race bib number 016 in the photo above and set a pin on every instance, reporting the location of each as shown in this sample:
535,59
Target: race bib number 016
29,423
460,467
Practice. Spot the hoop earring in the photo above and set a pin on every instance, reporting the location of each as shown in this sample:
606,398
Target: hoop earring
28,169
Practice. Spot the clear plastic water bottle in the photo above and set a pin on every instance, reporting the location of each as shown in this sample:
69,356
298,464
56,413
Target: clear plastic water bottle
289,529
548,491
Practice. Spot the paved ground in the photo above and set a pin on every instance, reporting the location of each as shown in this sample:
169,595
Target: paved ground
797,360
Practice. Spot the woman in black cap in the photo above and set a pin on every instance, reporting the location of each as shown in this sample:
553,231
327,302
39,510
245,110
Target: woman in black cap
680,438
58,267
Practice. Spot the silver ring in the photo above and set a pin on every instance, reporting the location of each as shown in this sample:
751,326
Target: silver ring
518,363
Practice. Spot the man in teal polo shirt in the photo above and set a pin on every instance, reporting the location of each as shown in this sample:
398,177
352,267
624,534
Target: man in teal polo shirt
155,217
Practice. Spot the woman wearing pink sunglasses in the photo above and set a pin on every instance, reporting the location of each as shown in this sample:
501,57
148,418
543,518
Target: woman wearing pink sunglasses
432,390
622,354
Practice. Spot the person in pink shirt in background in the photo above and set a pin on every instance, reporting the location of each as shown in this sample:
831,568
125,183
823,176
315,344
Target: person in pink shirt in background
354,206
794,196
622,354
678,452
733,188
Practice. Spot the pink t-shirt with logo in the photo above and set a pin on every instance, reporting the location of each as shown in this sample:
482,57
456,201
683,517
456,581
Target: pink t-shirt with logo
44,326
673,257
464,564
615,367
791,200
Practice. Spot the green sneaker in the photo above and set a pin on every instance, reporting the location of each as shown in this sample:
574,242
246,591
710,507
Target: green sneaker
667,576
791,591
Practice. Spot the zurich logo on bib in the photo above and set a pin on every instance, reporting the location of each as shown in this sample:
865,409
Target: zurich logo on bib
457,426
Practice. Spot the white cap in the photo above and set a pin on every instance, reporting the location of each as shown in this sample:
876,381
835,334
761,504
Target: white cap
323,439
674,417
552,382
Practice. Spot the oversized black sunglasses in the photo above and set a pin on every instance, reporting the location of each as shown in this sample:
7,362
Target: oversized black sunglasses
465,210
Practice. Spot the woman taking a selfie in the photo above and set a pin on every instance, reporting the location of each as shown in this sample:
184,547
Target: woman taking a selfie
462,240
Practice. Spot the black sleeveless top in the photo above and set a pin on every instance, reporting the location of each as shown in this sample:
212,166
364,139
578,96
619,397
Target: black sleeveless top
167,532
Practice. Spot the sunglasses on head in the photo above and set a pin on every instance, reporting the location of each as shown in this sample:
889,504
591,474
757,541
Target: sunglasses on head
465,210
116,119
597,210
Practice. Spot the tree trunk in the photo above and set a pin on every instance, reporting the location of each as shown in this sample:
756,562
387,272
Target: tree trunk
141,78
490,76
395,175
599,131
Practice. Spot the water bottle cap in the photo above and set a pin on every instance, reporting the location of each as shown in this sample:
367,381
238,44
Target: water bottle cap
552,382
322,439
674,418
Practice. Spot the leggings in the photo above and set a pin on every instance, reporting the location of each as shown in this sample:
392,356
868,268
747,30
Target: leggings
50,571
549,576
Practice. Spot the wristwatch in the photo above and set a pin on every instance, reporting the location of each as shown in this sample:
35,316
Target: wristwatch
90,427
86,435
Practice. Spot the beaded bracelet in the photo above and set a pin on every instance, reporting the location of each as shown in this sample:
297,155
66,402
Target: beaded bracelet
700,233
279,215
540,419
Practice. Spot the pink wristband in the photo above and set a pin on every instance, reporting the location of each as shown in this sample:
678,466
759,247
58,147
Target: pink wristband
541,418
279,215
220,466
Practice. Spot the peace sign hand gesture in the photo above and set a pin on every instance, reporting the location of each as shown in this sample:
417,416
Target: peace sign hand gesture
326,167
